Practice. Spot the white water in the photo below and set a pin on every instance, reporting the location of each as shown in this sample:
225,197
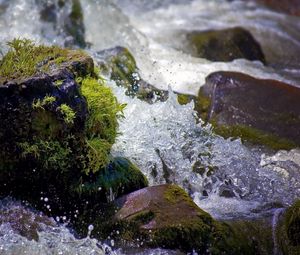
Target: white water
166,135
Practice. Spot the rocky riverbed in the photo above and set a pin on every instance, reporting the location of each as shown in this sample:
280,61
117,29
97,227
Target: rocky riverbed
162,127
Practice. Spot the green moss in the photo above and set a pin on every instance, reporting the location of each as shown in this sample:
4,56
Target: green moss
101,125
184,99
174,194
202,105
50,154
253,135
58,83
123,67
118,177
47,100
68,113
25,59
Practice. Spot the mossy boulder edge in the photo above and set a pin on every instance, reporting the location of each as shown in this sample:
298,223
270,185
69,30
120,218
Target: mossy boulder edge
225,45
59,121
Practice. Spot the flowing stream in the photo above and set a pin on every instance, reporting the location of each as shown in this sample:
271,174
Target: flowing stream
164,139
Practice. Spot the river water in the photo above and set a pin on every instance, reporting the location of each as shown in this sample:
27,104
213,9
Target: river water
164,139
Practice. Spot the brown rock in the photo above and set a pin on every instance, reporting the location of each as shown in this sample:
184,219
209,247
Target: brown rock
260,111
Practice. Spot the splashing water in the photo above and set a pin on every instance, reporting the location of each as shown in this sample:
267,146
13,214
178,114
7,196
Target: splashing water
224,177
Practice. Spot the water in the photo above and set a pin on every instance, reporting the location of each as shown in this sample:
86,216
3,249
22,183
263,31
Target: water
224,177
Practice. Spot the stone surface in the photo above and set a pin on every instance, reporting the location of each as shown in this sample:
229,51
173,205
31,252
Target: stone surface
259,111
120,65
24,221
225,45
165,216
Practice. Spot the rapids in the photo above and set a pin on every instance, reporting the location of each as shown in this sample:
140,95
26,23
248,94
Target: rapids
164,139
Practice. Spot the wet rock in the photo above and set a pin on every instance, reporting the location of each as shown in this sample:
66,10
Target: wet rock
67,19
119,177
291,7
58,125
120,65
24,221
165,216
258,111
225,45
256,232
288,230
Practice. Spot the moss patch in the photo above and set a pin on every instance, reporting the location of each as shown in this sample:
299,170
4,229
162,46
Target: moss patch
101,124
25,59
254,136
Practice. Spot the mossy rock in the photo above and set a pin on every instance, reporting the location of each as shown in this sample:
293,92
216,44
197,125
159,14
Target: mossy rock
165,216
59,121
288,230
225,45
265,112
121,66
119,177
71,20
256,232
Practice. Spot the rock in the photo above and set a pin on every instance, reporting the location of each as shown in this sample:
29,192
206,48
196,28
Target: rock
225,45
288,230
119,177
165,216
258,111
67,19
256,232
291,7
24,221
120,65
58,124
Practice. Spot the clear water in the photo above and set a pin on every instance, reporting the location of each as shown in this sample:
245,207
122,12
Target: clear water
164,139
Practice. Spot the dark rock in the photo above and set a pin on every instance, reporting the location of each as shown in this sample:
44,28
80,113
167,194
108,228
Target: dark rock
225,45
259,111
57,129
118,178
120,65
256,232
288,230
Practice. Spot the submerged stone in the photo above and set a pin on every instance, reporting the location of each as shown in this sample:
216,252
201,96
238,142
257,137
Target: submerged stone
225,45
258,111
24,221
120,65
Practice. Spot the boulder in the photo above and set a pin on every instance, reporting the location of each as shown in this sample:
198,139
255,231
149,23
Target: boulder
256,110
225,45
165,216
58,125
288,230
119,64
